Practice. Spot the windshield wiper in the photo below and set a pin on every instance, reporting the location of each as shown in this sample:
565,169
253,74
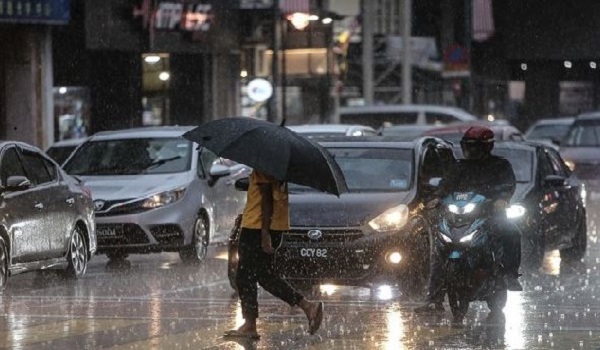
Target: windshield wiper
160,162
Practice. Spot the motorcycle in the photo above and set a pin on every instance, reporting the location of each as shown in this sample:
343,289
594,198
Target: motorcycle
469,245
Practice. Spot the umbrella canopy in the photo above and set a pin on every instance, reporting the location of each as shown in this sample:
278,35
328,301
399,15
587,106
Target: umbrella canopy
272,149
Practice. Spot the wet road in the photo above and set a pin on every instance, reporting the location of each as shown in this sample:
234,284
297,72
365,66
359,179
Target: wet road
157,302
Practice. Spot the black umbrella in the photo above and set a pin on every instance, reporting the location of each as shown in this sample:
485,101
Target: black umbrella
272,149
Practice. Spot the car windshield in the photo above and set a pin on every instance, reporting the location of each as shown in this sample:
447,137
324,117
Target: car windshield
549,131
371,169
584,134
131,157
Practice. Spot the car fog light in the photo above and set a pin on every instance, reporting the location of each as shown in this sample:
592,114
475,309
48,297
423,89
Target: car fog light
394,258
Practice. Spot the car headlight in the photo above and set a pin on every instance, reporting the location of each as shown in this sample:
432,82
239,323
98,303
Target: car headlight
515,211
391,219
163,198
570,164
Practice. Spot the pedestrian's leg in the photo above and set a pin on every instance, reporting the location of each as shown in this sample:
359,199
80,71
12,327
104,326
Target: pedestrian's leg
272,282
249,250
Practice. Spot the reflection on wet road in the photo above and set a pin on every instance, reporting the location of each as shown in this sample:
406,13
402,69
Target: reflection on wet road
157,302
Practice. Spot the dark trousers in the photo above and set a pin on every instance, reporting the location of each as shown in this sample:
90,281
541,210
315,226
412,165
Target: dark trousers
256,267
509,238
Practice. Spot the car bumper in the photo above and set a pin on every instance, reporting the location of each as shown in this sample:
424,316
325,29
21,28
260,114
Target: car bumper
167,228
361,261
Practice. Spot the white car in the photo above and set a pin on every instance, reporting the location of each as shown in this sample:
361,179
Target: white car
377,116
155,191
311,130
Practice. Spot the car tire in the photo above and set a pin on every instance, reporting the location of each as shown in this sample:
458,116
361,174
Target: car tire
77,256
232,252
577,251
197,251
3,264
532,251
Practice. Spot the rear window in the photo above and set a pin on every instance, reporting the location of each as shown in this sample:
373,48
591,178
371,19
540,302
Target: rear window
583,133
372,169
549,132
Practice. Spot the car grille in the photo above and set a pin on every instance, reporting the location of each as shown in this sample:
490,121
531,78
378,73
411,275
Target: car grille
167,234
120,207
587,171
126,234
329,235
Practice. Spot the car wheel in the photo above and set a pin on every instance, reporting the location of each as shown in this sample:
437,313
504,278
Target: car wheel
197,251
77,255
232,252
3,264
577,251
532,251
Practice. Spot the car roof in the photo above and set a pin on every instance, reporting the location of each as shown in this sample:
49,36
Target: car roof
328,127
552,121
458,112
589,116
372,141
462,127
69,142
150,131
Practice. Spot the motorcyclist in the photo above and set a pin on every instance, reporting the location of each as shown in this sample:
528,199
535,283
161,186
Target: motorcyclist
492,176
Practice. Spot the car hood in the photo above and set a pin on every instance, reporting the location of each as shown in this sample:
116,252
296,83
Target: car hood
132,186
350,209
581,154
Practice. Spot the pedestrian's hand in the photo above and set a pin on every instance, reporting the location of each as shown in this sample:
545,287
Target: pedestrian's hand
265,240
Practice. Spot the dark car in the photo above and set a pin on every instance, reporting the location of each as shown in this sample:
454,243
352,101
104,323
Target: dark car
47,215
547,204
375,233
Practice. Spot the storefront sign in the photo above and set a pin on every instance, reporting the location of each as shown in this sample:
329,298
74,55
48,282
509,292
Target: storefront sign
260,90
167,15
35,11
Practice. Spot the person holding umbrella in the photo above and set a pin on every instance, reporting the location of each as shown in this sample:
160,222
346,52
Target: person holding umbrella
265,217
278,156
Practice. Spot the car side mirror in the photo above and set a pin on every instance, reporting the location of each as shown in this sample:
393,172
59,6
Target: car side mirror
219,170
242,184
554,181
17,183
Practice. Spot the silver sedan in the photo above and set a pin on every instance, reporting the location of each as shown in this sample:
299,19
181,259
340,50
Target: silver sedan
47,216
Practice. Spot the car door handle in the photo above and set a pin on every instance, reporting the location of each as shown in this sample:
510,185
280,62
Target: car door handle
39,205
70,200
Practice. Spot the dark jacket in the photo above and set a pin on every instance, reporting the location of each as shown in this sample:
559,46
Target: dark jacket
492,176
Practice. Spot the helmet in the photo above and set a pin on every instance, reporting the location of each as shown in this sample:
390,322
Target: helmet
477,142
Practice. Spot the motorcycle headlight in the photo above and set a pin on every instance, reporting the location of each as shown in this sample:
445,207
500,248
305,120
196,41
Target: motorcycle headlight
515,211
445,238
391,219
454,209
163,198
469,237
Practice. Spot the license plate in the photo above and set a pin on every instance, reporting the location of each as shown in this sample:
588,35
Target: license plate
106,232
454,255
313,252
